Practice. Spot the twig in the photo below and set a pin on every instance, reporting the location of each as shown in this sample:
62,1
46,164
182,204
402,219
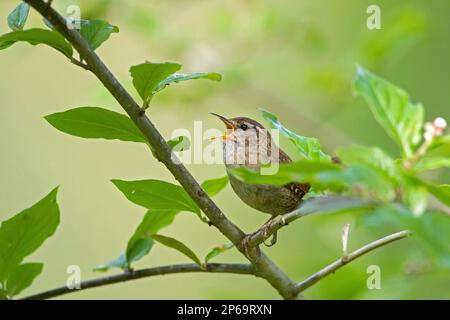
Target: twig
318,205
344,238
145,273
300,287
79,63
264,267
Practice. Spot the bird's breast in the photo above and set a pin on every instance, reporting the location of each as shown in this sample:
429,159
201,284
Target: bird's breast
250,151
270,199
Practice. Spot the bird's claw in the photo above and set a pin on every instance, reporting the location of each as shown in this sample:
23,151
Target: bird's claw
273,241
245,245
245,242
265,230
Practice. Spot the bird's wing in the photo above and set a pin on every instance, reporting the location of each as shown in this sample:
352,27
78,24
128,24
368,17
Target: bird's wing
284,158
300,189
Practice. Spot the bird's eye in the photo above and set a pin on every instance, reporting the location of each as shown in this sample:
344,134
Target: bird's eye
244,126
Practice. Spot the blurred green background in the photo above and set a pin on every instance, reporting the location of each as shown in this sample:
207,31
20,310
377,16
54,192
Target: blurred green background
294,58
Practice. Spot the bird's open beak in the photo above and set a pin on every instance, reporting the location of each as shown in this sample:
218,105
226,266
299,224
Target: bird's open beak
228,123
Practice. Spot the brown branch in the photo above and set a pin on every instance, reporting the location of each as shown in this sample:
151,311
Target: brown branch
305,284
145,273
318,205
264,267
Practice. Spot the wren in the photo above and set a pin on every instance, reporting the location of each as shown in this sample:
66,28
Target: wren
247,143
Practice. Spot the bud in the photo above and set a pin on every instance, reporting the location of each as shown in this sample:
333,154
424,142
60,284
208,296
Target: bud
435,128
429,127
428,136
344,238
440,123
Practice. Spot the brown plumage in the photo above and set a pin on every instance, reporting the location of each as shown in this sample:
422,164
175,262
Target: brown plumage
247,143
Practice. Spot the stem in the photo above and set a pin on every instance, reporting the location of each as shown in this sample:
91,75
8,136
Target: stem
319,205
316,277
79,63
263,265
145,273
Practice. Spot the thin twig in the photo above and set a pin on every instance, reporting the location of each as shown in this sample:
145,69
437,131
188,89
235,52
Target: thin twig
318,205
145,273
79,63
264,267
305,284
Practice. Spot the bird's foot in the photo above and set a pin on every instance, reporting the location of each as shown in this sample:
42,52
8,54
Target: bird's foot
245,242
245,245
265,230
273,241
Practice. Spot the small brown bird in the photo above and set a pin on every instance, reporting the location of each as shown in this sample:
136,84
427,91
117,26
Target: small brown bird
247,143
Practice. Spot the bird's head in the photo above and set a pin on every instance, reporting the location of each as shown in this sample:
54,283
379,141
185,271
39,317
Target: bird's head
239,127
247,142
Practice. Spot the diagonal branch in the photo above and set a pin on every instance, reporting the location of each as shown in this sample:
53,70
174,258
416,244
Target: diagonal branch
305,284
263,265
145,273
318,205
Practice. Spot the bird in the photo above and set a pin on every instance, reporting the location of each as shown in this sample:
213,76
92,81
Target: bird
246,143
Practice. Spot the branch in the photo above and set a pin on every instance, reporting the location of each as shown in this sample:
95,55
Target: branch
263,265
145,273
305,284
79,63
318,205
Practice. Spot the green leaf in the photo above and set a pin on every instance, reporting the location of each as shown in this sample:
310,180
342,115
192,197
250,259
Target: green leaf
431,230
218,250
3,294
365,181
48,24
432,163
370,169
95,123
147,76
392,108
18,17
335,204
22,234
95,32
442,192
415,196
439,142
359,177
137,249
310,148
139,244
22,277
371,157
213,186
153,221
37,36
119,262
181,143
322,175
177,245
178,77
157,195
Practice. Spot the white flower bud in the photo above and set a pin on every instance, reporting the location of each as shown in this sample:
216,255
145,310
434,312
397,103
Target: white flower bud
428,136
429,127
440,123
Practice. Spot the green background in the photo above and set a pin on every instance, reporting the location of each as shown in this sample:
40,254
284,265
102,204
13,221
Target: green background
294,58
